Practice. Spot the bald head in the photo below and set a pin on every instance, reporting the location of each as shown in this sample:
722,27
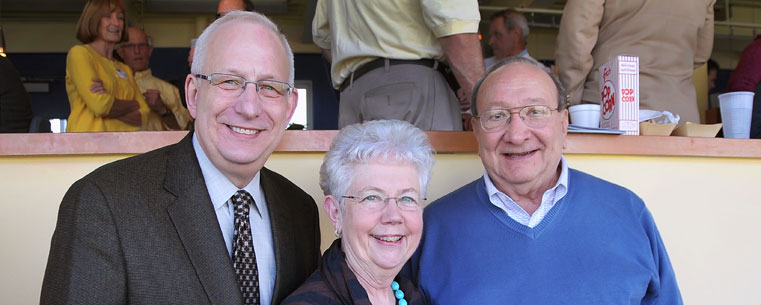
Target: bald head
136,51
136,35
528,63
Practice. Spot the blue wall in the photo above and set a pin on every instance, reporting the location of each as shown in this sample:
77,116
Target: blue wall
169,64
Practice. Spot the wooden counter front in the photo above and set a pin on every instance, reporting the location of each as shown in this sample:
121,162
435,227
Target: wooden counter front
700,191
319,141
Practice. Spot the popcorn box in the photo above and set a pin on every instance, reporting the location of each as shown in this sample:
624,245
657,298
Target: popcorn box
619,92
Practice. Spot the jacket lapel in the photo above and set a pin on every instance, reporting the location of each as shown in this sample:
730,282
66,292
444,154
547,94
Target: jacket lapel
282,229
196,223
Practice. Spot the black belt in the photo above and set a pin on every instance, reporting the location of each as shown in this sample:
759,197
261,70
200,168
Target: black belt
381,62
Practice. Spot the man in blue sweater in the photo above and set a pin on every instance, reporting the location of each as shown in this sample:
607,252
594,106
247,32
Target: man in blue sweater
532,230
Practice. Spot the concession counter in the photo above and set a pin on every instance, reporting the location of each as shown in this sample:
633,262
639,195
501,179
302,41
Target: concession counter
699,190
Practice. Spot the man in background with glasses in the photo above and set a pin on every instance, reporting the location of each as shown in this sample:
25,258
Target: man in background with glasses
532,230
200,221
167,112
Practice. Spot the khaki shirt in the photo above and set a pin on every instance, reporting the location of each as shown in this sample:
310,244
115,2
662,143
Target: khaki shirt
671,39
357,32
170,96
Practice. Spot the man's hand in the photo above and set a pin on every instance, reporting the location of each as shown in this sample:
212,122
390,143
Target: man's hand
463,52
466,121
132,118
153,99
464,99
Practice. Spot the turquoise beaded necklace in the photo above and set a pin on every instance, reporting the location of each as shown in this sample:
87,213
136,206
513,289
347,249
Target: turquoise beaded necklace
398,293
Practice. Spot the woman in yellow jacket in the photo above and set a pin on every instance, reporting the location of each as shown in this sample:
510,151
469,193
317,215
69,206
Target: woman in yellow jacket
102,91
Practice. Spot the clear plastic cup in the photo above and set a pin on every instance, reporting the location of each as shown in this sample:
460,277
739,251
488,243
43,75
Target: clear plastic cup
736,113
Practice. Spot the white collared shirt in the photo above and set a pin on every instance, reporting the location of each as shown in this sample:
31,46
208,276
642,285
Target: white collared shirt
220,191
514,211
491,61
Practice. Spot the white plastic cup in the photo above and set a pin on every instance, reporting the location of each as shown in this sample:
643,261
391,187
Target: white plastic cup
585,115
736,112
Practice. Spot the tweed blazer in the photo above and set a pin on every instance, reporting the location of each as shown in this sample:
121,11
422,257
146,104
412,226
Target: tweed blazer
143,231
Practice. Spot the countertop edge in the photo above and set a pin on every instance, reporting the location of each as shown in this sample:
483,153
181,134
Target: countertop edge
39,144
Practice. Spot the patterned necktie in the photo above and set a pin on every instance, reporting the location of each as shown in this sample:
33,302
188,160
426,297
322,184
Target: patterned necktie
244,258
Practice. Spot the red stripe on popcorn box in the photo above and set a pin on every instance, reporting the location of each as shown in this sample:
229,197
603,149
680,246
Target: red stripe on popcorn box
619,94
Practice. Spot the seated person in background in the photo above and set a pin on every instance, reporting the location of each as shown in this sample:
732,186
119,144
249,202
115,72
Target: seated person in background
102,91
747,77
192,50
368,166
508,36
15,107
712,116
532,230
162,97
713,73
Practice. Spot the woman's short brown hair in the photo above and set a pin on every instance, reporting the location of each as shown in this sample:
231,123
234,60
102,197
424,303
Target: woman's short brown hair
87,26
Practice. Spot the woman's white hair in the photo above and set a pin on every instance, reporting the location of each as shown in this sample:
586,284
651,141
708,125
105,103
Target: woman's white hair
386,140
202,44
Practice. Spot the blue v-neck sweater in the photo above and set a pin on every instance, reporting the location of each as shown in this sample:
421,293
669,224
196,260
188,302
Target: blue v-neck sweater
597,245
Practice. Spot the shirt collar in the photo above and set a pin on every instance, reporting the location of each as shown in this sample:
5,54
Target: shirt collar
561,184
219,187
143,74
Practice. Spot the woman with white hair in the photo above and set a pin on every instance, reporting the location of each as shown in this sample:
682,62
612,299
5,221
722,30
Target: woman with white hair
368,166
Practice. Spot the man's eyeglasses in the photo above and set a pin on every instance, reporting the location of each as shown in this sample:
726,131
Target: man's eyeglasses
534,116
234,85
134,46
375,202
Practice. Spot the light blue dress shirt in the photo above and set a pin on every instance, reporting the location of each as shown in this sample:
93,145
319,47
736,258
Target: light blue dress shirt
220,191
491,61
516,212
